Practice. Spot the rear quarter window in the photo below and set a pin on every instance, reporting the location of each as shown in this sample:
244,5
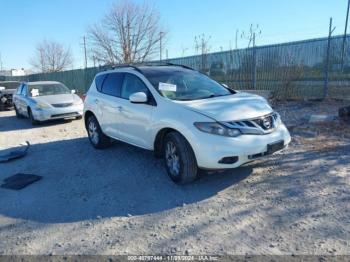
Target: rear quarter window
99,81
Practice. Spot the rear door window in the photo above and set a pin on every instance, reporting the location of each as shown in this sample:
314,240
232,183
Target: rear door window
112,84
99,81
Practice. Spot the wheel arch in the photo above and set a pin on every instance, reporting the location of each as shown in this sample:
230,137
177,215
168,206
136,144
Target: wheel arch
87,114
159,140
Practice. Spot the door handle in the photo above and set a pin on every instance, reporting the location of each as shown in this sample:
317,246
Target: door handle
119,108
96,101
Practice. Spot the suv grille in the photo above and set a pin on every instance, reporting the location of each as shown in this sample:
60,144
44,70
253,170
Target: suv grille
257,126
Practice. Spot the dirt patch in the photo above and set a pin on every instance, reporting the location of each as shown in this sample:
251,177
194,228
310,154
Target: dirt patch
120,200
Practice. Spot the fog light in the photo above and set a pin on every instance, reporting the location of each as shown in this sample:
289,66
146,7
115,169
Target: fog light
228,160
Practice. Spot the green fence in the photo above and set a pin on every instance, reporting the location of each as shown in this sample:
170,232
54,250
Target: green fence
289,70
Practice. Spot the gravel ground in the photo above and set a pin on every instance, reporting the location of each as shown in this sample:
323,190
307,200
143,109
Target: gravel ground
120,200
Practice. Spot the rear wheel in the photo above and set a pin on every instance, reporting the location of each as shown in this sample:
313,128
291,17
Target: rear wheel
32,118
180,161
96,136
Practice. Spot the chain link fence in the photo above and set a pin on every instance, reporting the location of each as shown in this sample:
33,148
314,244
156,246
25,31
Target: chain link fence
294,70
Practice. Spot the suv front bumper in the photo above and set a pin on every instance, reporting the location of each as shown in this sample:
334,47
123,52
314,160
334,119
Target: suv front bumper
211,149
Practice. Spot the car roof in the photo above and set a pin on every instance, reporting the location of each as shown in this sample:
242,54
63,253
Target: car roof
43,83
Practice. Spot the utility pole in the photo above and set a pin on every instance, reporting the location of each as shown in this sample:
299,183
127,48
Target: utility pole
344,39
167,55
84,38
160,45
325,90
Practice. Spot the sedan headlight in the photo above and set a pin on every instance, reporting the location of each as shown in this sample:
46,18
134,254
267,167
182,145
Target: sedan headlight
78,102
217,129
40,105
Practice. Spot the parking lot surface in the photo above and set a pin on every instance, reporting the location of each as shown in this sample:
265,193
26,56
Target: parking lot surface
120,200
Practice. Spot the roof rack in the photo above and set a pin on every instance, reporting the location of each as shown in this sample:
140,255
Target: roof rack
184,66
135,66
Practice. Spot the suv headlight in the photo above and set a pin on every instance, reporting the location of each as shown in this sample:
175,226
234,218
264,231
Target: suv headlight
217,129
40,105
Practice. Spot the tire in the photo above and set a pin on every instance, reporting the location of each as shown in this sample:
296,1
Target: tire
2,106
178,150
31,118
18,114
97,138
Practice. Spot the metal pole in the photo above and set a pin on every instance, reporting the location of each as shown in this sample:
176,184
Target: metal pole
344,39
325,90
160,45
85,52
254,63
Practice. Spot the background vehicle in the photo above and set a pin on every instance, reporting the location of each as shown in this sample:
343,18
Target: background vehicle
41,101
184,116
7,89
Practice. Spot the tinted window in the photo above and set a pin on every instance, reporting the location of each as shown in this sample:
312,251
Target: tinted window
112,84
181,84
99,81
132,84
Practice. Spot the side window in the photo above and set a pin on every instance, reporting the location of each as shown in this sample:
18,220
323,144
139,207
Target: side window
99,81
112,84
133,84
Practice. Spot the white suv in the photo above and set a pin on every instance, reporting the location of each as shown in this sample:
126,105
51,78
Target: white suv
183,116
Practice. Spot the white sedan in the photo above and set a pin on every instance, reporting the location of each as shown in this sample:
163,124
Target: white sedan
46,100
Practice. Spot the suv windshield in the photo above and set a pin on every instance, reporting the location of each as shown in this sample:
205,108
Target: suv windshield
185,84
48,89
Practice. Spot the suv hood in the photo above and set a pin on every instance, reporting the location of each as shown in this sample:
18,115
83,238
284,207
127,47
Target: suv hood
56,99
234,107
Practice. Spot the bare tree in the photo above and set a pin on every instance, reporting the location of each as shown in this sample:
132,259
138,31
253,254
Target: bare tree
129,33
51,56
202,47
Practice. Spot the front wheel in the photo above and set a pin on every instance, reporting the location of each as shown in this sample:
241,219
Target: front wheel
180,161
96,136
32,118
18,114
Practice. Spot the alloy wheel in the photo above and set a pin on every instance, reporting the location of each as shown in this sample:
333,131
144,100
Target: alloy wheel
172,158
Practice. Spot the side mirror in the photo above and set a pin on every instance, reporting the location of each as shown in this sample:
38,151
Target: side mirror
73,91
139,97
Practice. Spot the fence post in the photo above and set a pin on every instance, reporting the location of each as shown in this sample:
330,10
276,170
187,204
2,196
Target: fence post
325,89
254,63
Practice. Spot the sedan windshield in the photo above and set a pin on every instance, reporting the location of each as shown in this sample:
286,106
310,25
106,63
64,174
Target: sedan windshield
185,84
48,89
